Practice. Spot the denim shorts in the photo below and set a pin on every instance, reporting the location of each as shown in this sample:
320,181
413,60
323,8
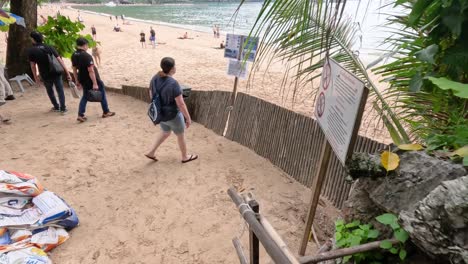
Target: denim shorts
177,125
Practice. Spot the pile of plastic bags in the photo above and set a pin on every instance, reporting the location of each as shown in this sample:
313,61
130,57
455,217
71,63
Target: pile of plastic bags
33,220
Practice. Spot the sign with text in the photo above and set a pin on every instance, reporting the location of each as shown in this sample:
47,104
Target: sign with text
237,68
234,45
337,106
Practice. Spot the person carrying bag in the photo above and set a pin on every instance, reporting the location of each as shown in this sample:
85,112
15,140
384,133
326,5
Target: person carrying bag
168,109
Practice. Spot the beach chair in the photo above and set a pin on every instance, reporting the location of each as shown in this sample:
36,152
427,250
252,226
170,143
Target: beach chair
20,78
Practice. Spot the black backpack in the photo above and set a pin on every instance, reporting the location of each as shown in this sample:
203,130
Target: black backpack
54,65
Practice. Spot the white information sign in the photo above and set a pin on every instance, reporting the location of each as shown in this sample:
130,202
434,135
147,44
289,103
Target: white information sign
234,44
337,106
237,68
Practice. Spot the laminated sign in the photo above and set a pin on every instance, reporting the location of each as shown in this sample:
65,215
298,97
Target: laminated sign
337,106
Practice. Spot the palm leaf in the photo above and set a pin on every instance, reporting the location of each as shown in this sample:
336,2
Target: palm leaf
302,33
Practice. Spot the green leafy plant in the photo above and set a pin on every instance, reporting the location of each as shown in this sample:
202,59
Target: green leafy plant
61,33
428,73
355,233
398,232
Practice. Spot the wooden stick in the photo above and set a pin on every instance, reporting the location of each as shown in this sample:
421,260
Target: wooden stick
239,250
338,253
276,237
315,237
316,189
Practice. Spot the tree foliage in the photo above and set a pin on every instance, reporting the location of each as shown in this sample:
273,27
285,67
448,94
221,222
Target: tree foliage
61,33
429,74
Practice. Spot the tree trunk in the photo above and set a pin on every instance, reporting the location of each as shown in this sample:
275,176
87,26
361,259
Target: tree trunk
18,37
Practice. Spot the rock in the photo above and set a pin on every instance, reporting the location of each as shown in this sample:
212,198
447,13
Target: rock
439,223
417,175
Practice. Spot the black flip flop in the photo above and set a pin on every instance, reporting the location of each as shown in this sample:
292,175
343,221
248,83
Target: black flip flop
151,158
192,158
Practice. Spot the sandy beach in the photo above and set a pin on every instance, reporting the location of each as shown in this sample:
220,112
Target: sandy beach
199,64
133,210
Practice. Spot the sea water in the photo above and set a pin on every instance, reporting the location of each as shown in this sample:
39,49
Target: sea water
368,16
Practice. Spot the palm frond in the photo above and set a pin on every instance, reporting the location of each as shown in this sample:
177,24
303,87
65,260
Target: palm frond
303,33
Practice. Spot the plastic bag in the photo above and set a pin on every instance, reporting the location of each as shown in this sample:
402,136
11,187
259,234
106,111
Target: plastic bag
25,256
49,238
19,184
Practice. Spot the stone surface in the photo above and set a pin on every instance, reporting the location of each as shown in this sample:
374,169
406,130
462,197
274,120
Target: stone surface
428,194
417,175
439,223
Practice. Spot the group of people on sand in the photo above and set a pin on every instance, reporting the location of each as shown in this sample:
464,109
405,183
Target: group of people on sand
175,116
152,38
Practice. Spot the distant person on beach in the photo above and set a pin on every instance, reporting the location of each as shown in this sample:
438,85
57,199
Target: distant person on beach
214,31
152,37
44,20
96,52
93,31
87,76
217,31
143,39
117,28
116,18
110,18
38,55
185,36
221,45
173,109
123,18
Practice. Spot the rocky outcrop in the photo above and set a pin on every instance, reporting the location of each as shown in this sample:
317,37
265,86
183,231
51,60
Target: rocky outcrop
439,223
428,194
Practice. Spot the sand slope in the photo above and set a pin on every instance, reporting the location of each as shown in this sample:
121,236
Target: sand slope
131,209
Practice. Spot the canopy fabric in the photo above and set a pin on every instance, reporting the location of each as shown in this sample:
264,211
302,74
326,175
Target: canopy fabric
7,18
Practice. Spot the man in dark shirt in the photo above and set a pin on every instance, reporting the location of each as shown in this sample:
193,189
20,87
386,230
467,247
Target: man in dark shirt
38,55
88,78
153,37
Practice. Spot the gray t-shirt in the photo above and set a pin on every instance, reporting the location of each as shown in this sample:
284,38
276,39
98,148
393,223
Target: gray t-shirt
168,88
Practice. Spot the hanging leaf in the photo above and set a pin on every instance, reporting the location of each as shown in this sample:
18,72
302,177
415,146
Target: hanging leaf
428,53
401,235
390,161
410,147
386,244
402,254
459,89
387,219
416,82
462,152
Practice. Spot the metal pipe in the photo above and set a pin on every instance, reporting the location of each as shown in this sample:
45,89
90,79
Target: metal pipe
275,252
239,250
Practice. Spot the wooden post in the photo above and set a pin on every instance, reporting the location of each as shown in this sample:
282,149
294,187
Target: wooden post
234,91
316,189
253,240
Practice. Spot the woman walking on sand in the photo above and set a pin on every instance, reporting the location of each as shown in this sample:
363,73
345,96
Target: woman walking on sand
173,110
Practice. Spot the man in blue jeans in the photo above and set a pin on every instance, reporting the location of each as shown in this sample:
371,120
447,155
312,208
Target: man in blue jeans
38,55
87,76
